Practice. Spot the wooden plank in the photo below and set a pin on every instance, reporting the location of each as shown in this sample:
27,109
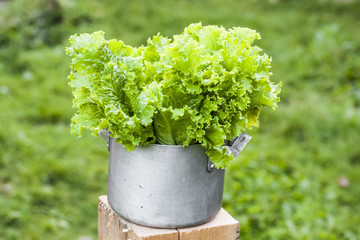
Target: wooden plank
147,233
110,226
113,227
222,227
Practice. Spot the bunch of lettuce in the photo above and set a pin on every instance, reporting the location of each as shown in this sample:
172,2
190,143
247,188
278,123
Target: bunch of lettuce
204,86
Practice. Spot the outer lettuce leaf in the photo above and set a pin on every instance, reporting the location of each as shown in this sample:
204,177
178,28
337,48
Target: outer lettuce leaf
107,81
204,86
170,126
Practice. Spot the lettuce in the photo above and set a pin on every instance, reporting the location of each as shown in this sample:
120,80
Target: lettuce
204,86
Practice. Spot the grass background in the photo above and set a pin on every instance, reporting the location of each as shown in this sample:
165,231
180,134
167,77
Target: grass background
299,178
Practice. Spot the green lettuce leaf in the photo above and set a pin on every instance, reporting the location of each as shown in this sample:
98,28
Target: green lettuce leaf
203,86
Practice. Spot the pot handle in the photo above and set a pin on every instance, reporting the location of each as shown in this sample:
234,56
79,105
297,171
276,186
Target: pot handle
234,147
105,134
237,144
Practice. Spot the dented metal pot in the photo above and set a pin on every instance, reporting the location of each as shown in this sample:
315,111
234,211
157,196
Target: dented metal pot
164,186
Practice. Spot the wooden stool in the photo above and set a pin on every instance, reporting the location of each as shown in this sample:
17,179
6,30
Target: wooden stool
112,227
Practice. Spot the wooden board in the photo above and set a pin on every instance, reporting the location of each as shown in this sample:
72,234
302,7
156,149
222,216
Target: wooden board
223,226
113,227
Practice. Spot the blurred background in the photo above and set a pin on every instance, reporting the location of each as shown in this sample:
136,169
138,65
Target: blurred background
299,178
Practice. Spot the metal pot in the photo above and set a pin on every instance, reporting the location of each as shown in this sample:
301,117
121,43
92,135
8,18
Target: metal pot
164,186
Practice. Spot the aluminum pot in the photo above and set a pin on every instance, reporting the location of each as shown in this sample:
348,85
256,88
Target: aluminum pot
165,186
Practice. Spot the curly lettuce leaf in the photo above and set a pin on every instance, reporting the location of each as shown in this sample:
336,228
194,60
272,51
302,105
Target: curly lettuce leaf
204,86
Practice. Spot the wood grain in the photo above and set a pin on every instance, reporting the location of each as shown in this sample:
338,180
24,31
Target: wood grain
222,227
113,227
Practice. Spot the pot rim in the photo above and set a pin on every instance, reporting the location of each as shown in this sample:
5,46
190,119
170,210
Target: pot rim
172,146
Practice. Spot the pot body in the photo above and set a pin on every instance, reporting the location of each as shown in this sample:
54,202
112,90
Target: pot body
165,186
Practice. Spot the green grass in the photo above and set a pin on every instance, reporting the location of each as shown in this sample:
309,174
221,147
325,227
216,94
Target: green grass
285,183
